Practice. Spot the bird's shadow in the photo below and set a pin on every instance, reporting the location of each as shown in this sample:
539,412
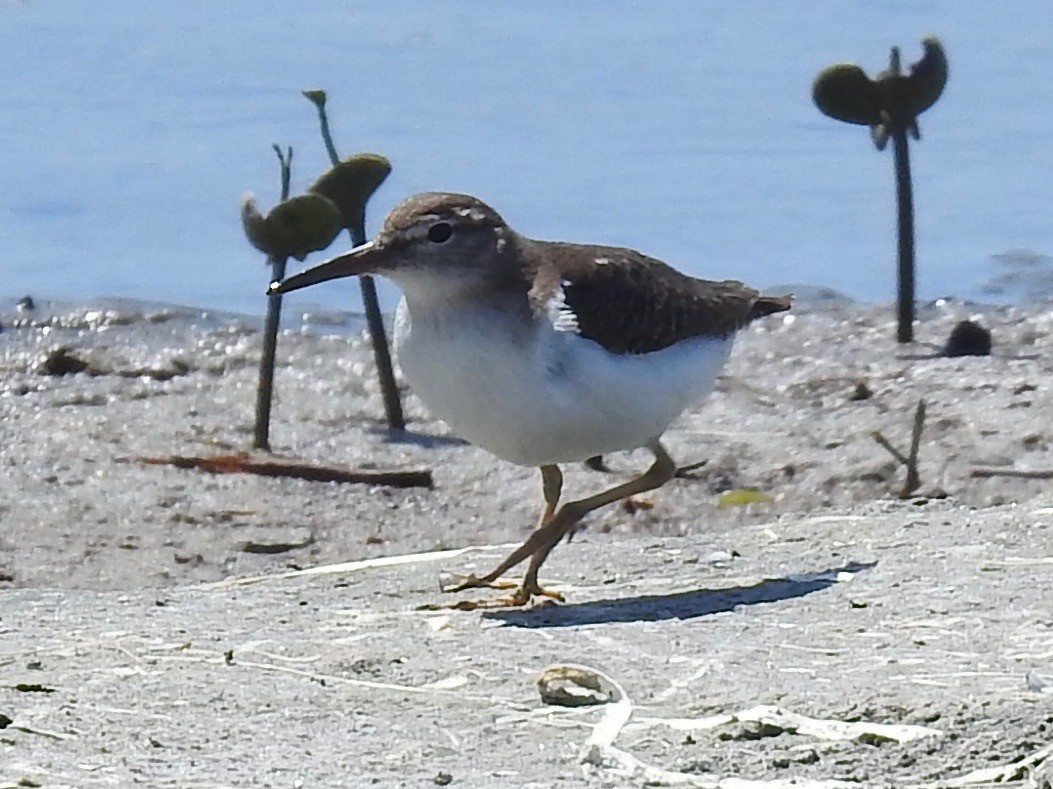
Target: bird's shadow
682,605
417,438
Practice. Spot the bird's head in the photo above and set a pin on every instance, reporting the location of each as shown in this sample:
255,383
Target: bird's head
431,241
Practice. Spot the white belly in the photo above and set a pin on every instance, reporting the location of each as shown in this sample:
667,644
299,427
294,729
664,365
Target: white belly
543,396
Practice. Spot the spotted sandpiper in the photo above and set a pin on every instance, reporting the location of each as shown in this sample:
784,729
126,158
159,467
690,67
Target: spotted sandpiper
544,352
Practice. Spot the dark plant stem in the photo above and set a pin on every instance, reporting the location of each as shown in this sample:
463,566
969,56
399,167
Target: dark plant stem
265,388
910,460
905,207
913,481
285,162
381,355
327,135
374,321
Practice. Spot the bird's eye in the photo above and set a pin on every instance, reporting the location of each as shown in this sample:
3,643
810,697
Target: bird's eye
440,232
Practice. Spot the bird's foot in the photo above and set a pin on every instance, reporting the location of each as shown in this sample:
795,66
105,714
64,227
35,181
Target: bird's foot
688,471
634,504
452,582
597,463
522,595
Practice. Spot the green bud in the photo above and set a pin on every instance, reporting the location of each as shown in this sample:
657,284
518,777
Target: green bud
293,228
927,77
904,97
891,101
350,184
844,92
254,224
317,96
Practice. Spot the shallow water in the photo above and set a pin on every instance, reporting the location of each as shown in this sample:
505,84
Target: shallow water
684,129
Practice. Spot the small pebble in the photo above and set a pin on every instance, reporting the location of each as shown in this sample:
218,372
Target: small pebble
1039,682
716,557
567,685
861,392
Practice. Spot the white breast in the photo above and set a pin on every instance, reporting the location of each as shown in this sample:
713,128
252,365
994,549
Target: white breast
533,395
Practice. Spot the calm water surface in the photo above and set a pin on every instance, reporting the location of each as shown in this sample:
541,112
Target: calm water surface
682,128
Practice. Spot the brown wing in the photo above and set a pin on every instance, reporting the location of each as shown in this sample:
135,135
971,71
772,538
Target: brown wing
630,303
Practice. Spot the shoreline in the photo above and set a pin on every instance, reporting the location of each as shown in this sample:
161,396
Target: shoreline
791,418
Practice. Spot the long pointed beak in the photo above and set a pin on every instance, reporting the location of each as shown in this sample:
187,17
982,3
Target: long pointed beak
364,259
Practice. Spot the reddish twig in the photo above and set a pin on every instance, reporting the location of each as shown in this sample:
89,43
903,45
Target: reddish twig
242,463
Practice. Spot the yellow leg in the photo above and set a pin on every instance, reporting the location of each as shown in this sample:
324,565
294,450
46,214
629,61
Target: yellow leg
551,488
548,534
661,471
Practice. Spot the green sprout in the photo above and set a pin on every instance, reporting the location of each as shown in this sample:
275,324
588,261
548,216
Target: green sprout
349,185
298,226
889,104
293,228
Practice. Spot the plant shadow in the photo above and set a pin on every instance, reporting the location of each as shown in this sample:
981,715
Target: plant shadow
418,438
681,605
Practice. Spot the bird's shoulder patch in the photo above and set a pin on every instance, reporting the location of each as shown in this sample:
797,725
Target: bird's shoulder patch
630,303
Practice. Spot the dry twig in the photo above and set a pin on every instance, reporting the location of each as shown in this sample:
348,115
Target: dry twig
1018,473
913,480
243,463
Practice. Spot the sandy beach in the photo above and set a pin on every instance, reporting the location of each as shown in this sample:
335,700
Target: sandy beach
122,612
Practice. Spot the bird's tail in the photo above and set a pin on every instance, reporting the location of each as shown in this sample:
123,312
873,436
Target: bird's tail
766,305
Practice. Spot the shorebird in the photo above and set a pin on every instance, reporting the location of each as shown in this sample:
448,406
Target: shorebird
545,352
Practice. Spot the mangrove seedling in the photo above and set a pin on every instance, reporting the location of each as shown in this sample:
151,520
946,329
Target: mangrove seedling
349,184
307,223
295,227
890,105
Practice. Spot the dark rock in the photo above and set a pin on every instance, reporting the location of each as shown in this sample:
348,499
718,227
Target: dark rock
968,339
861,392
62,361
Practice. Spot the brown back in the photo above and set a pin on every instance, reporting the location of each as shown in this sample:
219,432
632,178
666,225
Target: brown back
630,303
